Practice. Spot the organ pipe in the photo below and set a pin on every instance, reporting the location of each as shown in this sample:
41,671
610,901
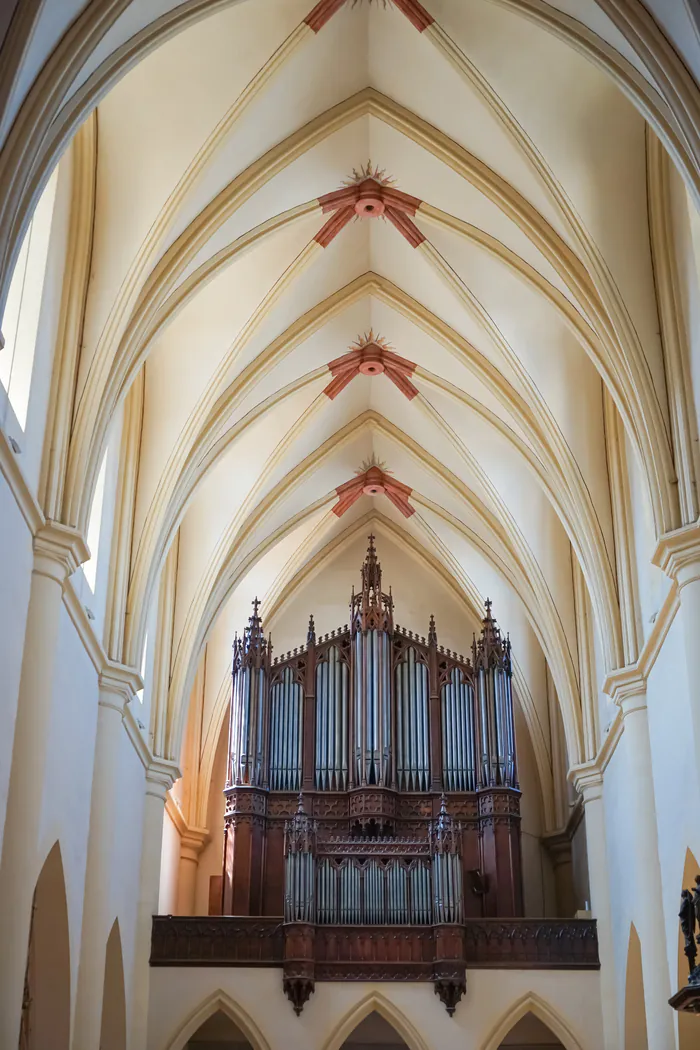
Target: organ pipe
286,700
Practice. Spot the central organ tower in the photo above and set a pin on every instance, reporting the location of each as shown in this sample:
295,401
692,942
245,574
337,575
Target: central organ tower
372,779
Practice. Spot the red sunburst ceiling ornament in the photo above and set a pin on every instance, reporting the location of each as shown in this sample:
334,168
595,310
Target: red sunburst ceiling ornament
371,355
370,193
373,479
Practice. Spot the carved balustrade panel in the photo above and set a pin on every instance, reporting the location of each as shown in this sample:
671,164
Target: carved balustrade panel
347,951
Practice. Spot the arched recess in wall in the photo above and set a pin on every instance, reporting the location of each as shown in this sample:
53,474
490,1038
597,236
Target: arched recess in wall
219,1011
113,1027
372,1032
688,1025
376,1006
530,1009
46,1004
529,1031
635,1014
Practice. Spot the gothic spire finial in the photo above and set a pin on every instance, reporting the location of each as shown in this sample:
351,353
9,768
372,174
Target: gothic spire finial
311,633
432,632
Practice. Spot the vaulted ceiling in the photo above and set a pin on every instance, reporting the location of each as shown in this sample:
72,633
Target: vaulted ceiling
373,237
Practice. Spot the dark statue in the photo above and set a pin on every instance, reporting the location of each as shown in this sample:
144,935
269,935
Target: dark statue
687,999
687,915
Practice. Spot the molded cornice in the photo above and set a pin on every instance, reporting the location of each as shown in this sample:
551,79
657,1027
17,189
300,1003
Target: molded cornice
678,554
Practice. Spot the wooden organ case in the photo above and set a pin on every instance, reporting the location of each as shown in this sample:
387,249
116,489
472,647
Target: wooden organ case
372,783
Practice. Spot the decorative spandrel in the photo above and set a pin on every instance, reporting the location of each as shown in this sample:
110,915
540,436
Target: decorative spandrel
372,782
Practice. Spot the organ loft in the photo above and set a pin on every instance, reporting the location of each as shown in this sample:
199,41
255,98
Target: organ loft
372,794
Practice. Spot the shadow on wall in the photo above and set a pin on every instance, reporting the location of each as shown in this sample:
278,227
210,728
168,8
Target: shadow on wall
635,1014
46,1003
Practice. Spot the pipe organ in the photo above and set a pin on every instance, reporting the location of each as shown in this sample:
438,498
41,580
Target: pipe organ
372,777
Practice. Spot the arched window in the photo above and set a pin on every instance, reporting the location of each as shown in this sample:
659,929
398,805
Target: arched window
20,320
95,525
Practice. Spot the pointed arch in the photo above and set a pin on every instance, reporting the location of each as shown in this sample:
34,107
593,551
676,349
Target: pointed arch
46,1017
113,1027
375,1002
531,1003
635,1011
218,1002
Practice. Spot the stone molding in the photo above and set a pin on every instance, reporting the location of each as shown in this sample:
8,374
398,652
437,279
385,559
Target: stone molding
58,551
161,774
678,554
588,780
119,681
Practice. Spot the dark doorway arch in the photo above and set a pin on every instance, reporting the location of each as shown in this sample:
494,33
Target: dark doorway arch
46,1002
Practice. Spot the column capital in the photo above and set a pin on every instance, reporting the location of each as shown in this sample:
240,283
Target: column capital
118,685
626,684
58,551
678,554
193,842
588,781
160,777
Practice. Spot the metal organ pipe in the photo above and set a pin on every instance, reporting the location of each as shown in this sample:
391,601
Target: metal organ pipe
412,736
372,707
331,763
458,733
286,704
